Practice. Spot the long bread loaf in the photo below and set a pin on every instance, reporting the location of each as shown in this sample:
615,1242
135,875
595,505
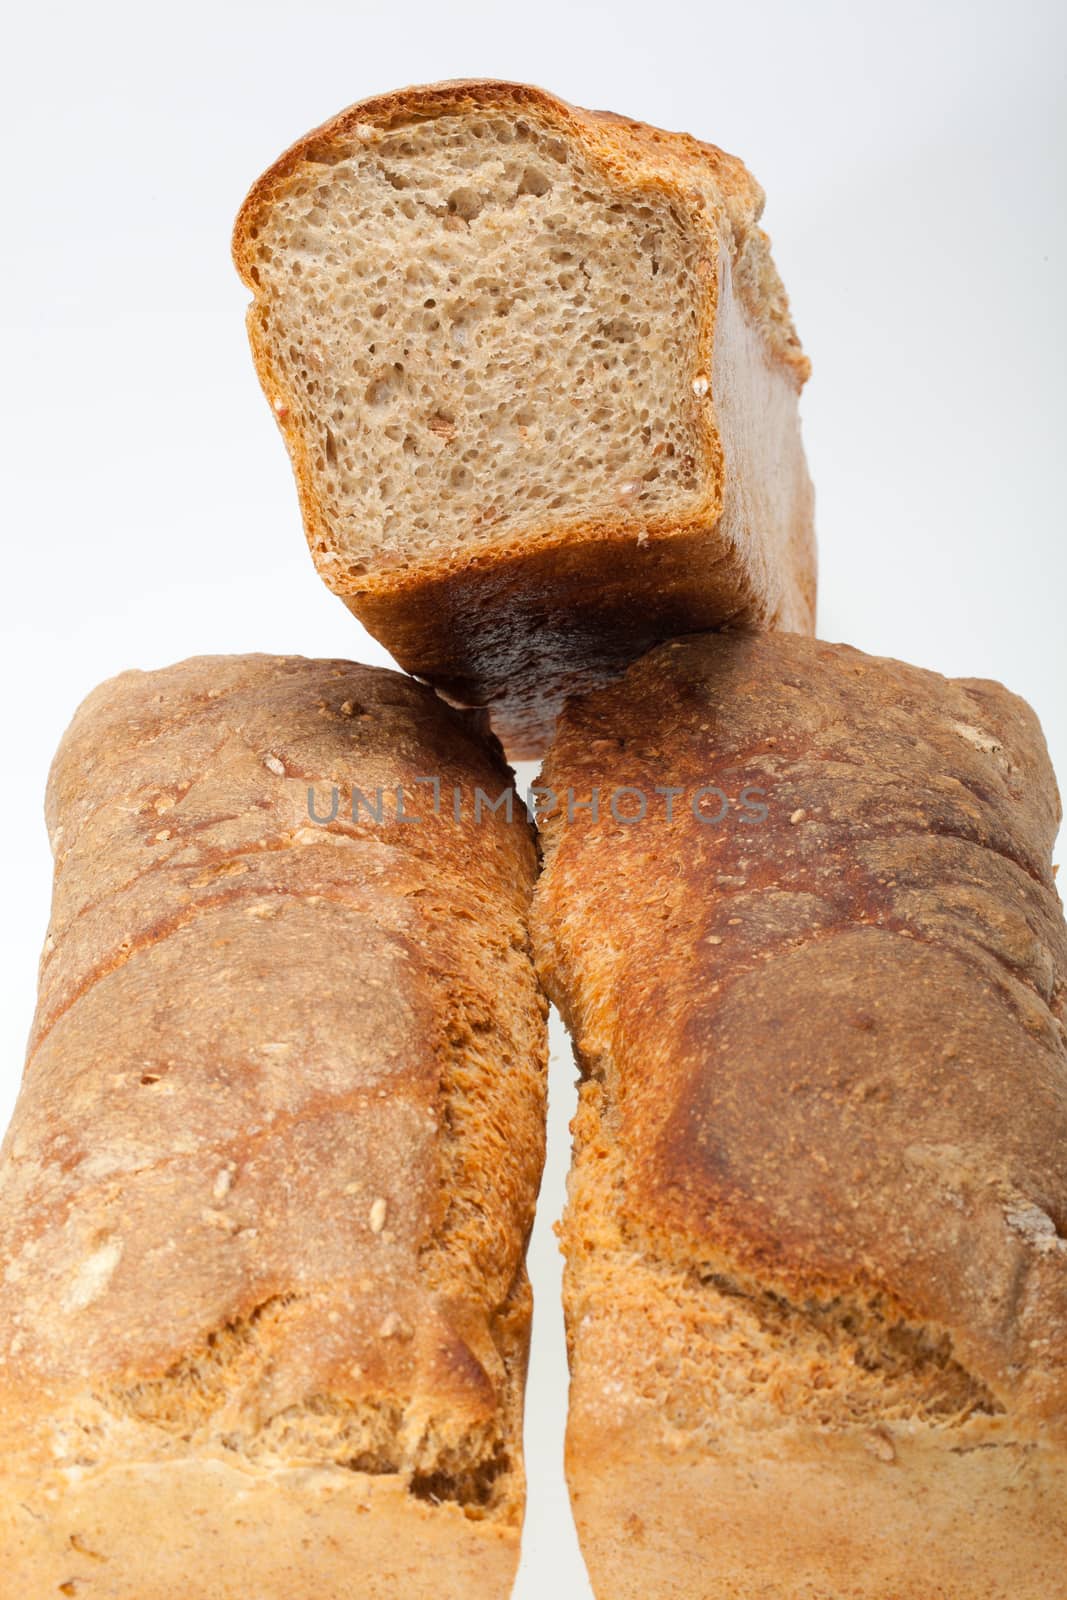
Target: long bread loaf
265,1198
817,1235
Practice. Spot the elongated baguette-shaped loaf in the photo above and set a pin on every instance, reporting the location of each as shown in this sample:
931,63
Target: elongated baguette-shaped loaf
817,1233
266,1194
538,379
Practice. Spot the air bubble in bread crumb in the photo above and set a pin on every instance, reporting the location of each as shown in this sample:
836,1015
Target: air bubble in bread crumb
466,203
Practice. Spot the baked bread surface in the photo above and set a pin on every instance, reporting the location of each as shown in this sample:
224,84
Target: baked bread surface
537,375
265,1198
816,1240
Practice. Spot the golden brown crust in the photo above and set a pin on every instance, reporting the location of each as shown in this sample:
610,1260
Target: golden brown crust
490,624
275,1069
819,1194
922,1516
270,1533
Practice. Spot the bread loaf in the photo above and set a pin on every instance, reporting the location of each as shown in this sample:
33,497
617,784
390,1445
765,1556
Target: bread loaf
538,379
266,1194
816,1240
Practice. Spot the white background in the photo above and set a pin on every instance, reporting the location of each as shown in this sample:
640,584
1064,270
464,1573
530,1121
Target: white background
913,156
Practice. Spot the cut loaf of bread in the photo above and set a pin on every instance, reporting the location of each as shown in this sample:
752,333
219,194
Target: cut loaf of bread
265,1198
537,375
816,1241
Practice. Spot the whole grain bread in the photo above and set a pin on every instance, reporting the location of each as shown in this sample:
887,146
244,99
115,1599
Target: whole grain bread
537,375
816,1241
265,1198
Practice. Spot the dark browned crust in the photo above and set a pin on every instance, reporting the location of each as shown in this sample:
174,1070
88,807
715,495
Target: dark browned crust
831,1043
520,632
561,608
